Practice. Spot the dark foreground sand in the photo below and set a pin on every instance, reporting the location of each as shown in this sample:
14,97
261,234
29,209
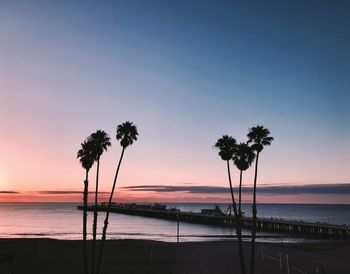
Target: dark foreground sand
135,257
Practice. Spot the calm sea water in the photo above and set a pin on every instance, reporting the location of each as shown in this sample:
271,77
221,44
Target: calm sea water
64,221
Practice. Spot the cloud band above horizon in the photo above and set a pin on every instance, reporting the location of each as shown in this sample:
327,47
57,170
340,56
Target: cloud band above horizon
331,189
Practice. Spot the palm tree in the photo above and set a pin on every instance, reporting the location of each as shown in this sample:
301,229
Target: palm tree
259,136
227,147
127,134
86,157
243,159
100,140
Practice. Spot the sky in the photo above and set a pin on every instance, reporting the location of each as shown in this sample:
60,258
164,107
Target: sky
185,72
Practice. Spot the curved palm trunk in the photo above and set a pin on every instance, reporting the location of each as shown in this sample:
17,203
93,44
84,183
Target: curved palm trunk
107,214
240,195
238,225
240,206
254,211
94,228
85,201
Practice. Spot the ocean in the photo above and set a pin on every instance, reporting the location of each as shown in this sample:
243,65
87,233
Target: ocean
64,221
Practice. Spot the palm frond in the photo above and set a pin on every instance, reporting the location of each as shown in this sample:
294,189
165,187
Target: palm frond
100,141
86,155
243,156
227,146
127,134
259,136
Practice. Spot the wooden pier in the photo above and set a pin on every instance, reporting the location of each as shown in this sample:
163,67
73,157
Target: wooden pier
319,230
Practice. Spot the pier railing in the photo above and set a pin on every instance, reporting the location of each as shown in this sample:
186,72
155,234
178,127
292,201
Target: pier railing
320,230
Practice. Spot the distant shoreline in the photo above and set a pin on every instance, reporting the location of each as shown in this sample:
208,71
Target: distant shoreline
174,203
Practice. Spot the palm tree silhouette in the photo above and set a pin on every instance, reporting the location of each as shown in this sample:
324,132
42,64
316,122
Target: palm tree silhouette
259,136
86,157
127,134
227,147
243,159
100,140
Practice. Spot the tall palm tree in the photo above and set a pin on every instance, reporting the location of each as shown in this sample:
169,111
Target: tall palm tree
127,134
243,159
86,157
100,141
259,136
227,147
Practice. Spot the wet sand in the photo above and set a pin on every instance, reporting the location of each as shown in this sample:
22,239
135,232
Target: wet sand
138,256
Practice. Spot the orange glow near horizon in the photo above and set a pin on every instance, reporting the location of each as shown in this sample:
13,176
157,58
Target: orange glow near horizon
179,197
39,162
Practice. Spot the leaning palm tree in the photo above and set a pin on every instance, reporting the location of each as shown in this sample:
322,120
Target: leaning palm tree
259,136
243,159
86,157
100,141
227,147
127,134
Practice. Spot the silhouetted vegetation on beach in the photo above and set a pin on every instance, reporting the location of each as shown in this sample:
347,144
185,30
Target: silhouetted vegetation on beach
91,151
243,155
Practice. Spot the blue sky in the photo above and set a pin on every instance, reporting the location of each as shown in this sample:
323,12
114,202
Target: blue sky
185,72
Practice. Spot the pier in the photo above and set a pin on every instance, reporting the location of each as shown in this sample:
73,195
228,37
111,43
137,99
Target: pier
218,218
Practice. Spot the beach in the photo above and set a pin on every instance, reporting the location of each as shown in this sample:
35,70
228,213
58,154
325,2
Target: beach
144,256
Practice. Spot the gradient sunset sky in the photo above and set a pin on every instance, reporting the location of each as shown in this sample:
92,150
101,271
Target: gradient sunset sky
185,72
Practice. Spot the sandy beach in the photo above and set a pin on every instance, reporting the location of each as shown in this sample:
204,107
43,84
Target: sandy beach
137,256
